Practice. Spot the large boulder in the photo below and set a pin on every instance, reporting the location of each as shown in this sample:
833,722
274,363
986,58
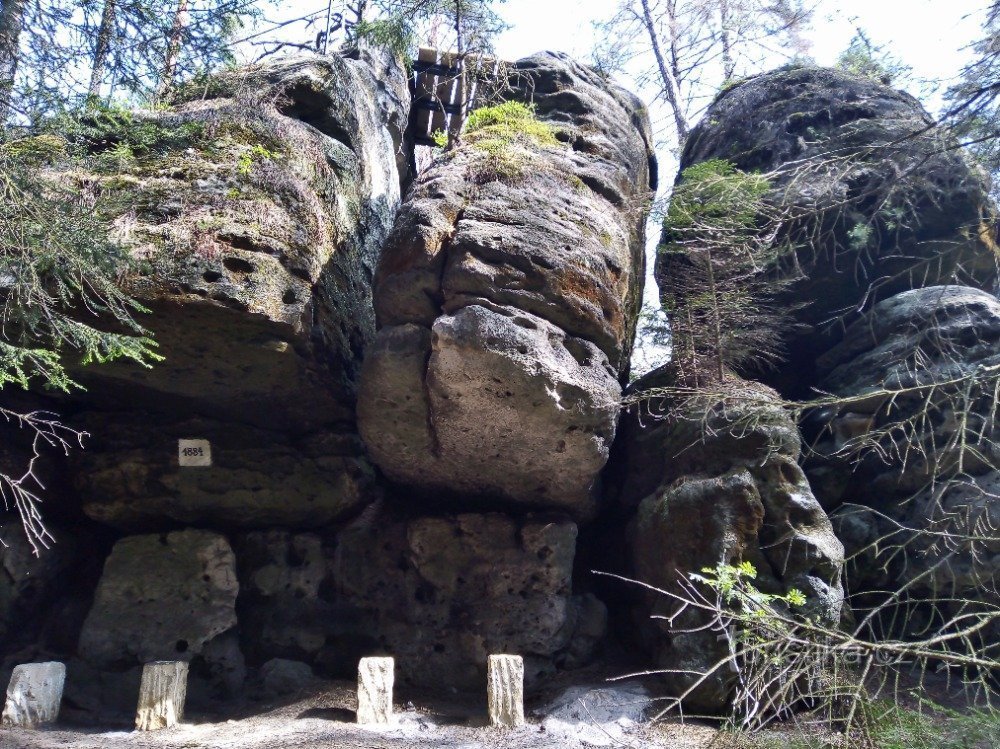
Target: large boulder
876,199
162,597
256,211
716,482
908,457
442,593
507,299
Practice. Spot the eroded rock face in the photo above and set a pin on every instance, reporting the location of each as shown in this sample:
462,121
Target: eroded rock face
162,597
897,207
439,592
729,494
129,476
935,539
28,583
443,593
507,305
257,216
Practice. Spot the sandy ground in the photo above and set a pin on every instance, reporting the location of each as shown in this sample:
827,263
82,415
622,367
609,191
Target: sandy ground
325,720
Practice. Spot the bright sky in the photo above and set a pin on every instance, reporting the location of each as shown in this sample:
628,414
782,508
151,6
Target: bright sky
928,35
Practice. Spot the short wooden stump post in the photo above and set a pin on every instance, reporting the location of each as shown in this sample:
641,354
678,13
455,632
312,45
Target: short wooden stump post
375,678
161,695
34,694
505,689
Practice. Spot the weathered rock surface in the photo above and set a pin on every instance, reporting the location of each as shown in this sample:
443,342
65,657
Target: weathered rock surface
286,607
731,493
28,583
507,305
875,195
900,528
257,218
443,593
162,597
129,477
280,677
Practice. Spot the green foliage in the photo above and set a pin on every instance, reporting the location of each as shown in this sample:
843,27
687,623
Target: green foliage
393,33
506,134
732,582
440,138
721,237
931,726
253,155
715,195
35,150
859,236
122,134
59,272
867,60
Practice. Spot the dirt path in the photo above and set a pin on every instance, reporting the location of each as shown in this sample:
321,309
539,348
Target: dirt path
325,721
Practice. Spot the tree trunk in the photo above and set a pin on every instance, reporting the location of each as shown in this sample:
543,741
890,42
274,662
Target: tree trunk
728,65
670,86
12,14
456,121
173,47
104,33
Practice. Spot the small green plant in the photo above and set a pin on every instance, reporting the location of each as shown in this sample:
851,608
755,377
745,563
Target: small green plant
732,582
98,130
721,237
716,194
506,133
440,138
252,156
859,237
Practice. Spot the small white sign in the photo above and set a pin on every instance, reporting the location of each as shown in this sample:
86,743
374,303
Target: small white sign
192,453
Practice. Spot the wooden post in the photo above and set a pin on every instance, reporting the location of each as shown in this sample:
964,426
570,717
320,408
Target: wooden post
375,678
505,689
34,694
161,695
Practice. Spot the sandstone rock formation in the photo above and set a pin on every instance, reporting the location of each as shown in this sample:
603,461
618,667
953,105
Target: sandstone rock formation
442,593
507,299
255,209
258,215
721,492
129,476
877,201
920,373
162,597
27,582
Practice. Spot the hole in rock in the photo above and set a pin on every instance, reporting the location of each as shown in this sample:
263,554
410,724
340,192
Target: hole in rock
181,646
238,265
289,297
212,276
315,108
